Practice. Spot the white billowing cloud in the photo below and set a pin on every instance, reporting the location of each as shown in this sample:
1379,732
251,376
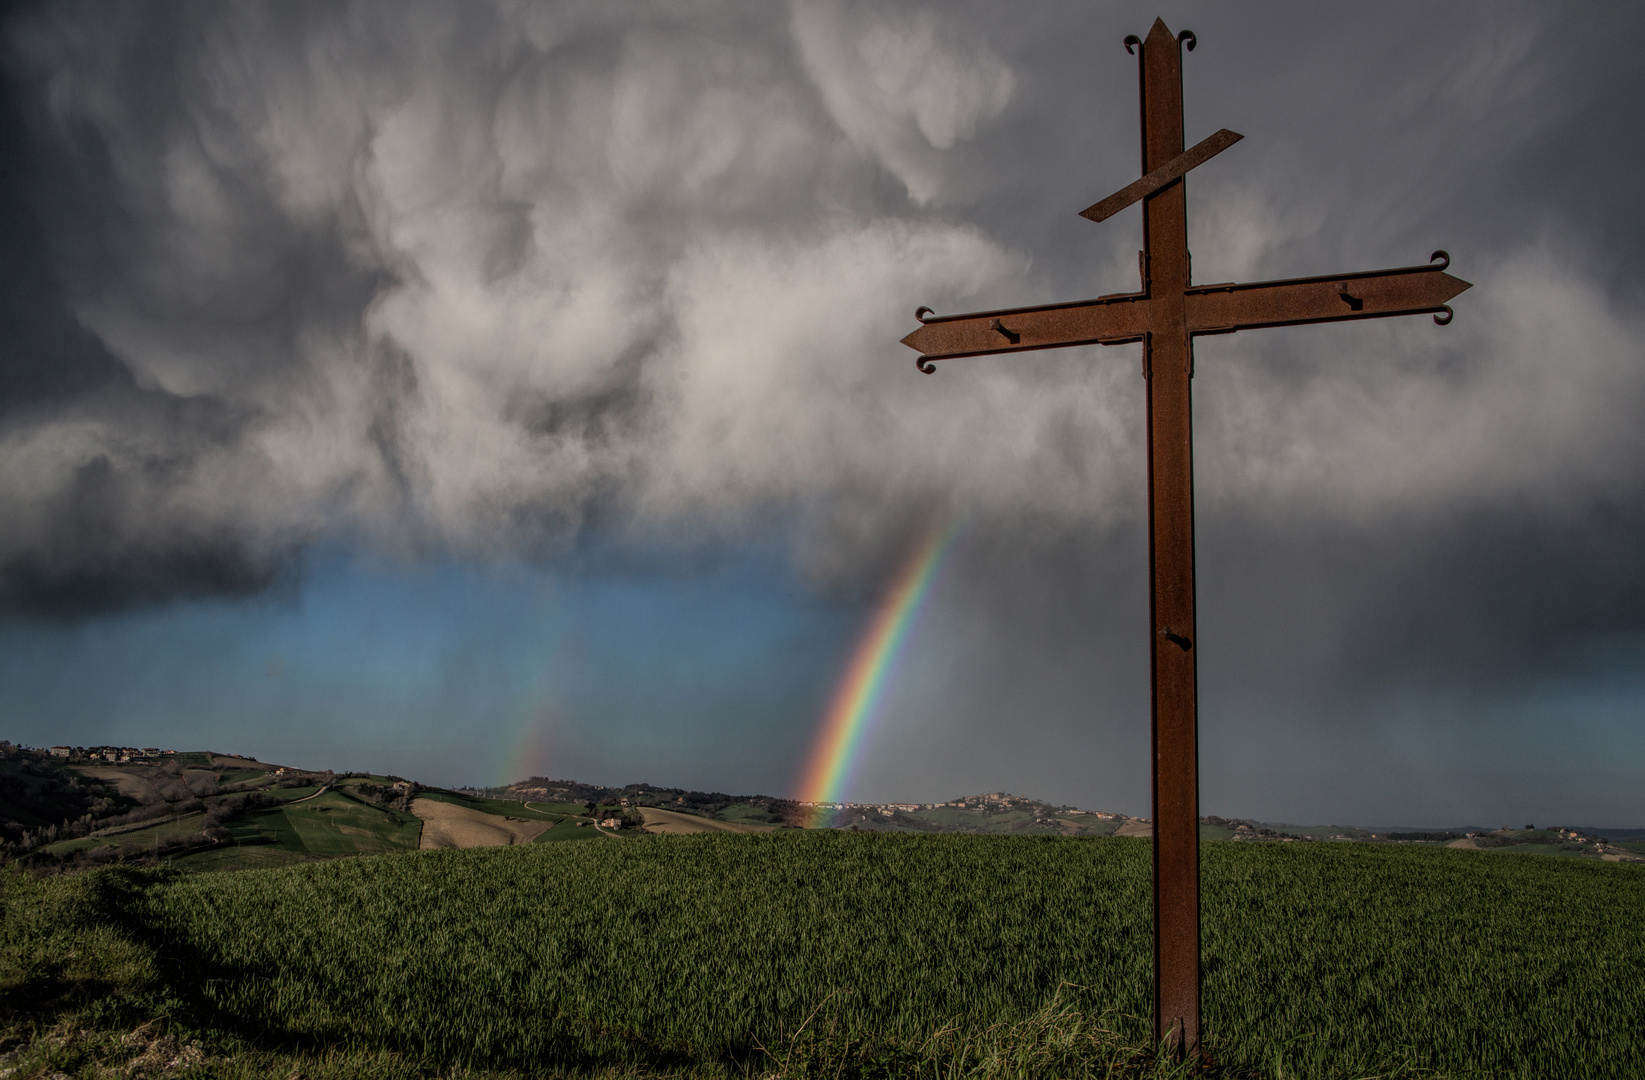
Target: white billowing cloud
1526,396
455,275
777,384
901,84
710,126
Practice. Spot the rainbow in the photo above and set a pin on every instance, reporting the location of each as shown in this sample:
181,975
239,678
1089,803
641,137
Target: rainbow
529,727
861,687
528,748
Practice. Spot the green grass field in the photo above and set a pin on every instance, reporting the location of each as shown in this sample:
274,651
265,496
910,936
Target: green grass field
228,777
745,813
137,840
567,829
332,825
911,955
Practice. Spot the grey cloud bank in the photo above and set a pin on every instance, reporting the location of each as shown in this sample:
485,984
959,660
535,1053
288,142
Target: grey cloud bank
461,279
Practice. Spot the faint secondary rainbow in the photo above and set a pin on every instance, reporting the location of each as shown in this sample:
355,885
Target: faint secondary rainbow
527,747
857,698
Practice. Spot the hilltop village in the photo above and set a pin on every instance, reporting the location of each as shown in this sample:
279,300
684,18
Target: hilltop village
995,812
76,754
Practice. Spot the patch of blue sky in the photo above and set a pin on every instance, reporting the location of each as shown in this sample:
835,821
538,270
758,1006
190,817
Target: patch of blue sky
455,673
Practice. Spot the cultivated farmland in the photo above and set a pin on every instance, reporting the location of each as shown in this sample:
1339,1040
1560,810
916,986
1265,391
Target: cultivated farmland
449,824
673,823
907,953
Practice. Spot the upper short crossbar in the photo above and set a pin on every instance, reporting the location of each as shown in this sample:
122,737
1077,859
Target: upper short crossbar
1198,154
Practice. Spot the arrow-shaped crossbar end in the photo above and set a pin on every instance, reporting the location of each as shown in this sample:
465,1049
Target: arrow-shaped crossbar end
1455,286
913,341
1444,315
1454,283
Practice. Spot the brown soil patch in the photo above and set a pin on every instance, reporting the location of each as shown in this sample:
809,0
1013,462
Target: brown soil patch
674,823
145,783
1136,827
446,825
1465,842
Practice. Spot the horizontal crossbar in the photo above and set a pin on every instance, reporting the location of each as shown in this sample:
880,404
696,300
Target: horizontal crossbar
1203,309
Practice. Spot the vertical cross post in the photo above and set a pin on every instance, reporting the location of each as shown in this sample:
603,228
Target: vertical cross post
1164,316
1169,367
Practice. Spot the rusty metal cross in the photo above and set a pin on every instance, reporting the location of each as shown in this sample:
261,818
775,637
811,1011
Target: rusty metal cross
1166,316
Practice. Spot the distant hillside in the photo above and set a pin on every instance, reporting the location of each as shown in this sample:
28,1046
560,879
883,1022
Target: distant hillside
995,813
88,806
77,806
1002,813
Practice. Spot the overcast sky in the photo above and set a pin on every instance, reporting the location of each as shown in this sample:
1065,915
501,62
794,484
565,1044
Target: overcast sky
476,390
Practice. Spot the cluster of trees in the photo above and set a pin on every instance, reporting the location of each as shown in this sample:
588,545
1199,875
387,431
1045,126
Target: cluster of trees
395,797
36,793
41,802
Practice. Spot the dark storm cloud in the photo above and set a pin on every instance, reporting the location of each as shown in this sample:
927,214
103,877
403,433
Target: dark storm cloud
83,555
106,468
458,278
452,278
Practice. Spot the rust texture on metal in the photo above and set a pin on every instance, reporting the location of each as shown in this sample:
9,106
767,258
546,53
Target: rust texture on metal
1107,321
1175,731
1165,317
